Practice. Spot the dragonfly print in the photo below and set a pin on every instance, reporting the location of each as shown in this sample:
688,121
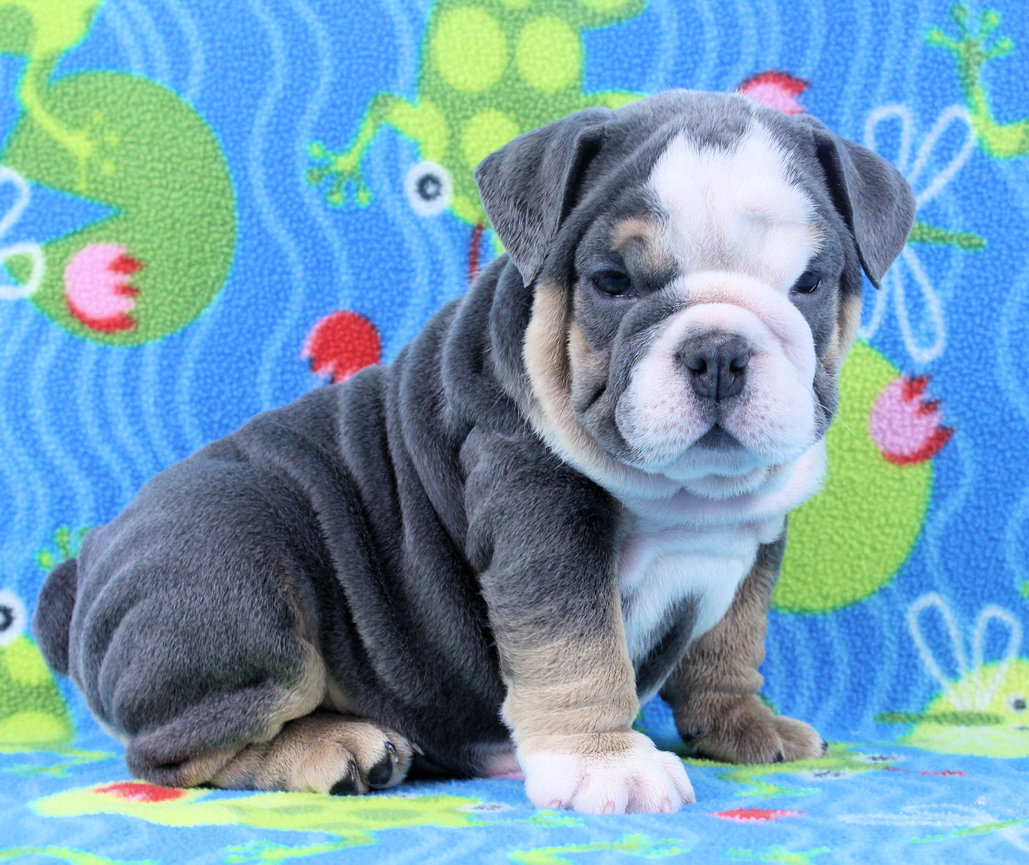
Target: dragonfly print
908,286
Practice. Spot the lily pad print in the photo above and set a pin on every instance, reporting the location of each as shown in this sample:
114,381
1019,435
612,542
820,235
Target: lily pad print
844,546
160,258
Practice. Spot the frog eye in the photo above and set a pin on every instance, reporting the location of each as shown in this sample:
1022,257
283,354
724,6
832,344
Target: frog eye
428,188
1016,702
13,616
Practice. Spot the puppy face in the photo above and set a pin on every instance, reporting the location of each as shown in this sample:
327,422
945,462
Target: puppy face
697,305
699,290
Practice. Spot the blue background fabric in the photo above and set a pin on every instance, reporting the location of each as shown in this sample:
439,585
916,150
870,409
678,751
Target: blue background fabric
174,258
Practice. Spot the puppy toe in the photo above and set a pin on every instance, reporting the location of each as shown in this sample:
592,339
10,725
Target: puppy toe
800,741
383,756
349,784
744,730
392,766
680,780
379,775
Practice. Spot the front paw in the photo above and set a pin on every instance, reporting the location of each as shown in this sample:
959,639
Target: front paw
605,773
745,730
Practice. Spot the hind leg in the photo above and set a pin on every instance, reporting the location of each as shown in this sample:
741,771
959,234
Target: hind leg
253,720
194,641
272,736
253,728
321,753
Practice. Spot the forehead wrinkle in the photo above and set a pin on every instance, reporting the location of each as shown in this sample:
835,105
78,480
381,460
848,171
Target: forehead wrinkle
785,251
732,208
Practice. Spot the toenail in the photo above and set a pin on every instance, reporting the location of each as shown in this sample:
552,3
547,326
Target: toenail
780,757
347,785
381,772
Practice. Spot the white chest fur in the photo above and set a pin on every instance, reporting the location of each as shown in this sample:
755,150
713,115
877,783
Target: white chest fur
689,548
660,567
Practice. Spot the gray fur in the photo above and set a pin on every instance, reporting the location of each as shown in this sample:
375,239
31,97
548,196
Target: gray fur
870,194
529,186
409,523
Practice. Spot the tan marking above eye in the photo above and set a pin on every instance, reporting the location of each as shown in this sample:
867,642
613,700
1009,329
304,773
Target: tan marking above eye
633,228
644,238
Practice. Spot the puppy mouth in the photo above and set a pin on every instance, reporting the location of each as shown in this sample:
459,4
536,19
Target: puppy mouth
718,462
718,438
717,452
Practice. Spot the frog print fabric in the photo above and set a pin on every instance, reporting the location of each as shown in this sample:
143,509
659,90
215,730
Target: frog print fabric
203,216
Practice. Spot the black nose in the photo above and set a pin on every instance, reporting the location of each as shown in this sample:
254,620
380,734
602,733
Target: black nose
716,364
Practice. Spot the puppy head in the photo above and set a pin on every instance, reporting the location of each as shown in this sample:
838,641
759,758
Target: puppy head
695,268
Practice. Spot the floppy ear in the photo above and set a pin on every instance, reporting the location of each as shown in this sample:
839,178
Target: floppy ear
870,194
529,186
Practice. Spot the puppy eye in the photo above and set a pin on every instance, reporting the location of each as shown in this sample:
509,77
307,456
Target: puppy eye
612,282
808,283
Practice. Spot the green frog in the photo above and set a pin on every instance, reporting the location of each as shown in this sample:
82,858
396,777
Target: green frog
999,140
489,70
42,31
33,715
83,134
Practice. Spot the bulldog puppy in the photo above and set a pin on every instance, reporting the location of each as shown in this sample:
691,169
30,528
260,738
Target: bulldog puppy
567,494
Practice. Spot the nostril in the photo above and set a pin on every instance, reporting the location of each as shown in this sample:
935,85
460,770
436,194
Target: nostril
738,364
717,364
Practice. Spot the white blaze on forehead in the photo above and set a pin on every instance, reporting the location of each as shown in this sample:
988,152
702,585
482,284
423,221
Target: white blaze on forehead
735,209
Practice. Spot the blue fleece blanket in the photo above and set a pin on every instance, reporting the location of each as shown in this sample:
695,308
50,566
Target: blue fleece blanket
207,210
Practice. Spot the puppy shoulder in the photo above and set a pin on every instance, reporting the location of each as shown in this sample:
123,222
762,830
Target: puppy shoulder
516,487
481,353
